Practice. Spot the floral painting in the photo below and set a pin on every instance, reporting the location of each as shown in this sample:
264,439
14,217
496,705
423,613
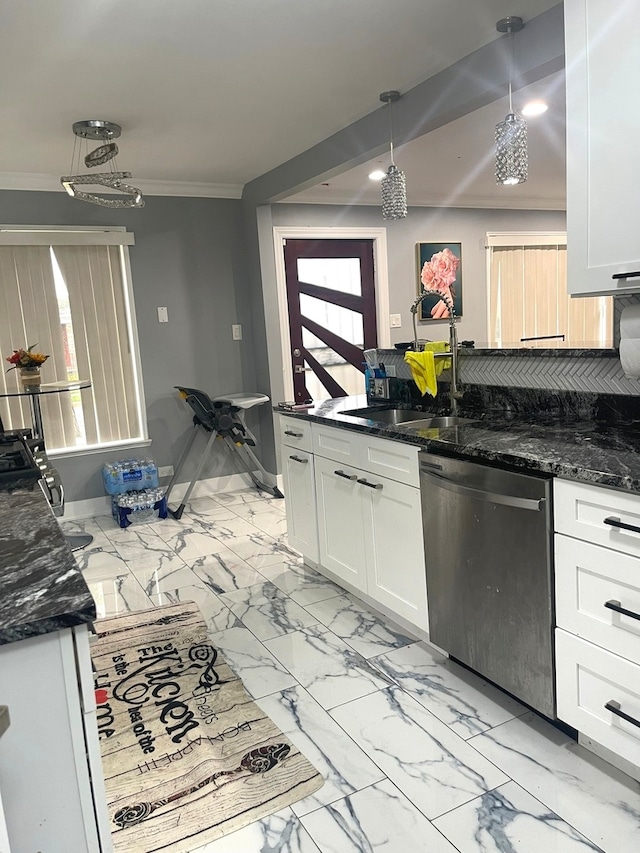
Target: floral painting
440,269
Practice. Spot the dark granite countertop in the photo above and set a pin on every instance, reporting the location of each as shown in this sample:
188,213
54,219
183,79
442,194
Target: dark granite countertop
41,588
575,450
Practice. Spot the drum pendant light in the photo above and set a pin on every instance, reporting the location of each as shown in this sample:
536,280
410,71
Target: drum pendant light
512,157
394,184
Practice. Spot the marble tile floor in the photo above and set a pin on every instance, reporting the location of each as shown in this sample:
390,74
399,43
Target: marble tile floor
418,754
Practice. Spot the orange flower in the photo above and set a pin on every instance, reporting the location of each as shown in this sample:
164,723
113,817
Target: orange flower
26,358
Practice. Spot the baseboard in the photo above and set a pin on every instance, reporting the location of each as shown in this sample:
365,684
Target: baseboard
209,486
617,761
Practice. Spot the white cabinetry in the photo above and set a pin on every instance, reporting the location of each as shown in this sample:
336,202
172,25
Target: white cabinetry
370,526
50,769
299,488
598,617
603,166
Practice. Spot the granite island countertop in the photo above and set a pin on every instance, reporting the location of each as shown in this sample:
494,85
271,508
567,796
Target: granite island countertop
41,587
576,450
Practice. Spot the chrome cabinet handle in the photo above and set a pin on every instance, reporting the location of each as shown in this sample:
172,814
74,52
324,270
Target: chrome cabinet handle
614,707
294,434
346,476
299,459
615,605
615,522
371,485
626,274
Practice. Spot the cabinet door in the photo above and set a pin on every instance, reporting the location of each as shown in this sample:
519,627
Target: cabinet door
340,521
300,502
396,575
603,167
599,694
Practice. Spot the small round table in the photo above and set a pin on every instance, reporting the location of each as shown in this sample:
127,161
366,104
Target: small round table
75,541
33,393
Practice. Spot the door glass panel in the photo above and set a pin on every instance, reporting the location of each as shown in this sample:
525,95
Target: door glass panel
346,375
341,321
341,274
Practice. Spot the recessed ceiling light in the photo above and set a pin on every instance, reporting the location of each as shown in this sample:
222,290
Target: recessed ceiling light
534,108
378,175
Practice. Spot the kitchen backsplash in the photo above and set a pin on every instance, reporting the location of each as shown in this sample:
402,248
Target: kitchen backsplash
584,371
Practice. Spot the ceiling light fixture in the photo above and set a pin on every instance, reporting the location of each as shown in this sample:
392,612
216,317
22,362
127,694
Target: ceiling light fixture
512,157
534,108
106,131
393,185
377,175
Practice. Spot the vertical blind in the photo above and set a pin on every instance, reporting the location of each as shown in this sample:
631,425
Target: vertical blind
528,298
30,313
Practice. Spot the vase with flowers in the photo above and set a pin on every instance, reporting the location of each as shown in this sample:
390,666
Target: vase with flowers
28,364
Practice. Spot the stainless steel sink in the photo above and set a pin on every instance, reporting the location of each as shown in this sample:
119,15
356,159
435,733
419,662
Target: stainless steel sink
440,423
387,416
407,417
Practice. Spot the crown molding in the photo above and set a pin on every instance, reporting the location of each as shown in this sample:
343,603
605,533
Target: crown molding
37,182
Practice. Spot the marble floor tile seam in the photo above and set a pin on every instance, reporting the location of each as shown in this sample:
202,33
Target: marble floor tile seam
535,790
497,790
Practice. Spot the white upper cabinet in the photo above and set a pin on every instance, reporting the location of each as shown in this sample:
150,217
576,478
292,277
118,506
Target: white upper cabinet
603,146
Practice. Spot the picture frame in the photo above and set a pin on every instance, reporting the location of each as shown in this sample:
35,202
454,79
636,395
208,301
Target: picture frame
426,309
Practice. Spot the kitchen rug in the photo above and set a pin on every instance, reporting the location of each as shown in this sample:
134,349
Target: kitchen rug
188,756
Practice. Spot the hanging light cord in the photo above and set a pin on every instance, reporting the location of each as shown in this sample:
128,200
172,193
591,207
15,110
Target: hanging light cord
511,64
391,132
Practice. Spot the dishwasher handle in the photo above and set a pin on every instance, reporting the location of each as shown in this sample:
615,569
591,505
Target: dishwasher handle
535,504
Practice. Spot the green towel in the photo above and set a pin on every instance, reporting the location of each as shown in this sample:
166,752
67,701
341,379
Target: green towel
425,368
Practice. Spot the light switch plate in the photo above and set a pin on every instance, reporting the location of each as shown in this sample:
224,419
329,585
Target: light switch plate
163,315
395,321
236,332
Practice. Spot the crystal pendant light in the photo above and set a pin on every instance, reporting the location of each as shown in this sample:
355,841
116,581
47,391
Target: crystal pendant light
106,131
393,185
512,156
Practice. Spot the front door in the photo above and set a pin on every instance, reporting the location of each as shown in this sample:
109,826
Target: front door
332,315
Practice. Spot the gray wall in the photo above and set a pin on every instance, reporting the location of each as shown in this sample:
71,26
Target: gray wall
189,256
423,224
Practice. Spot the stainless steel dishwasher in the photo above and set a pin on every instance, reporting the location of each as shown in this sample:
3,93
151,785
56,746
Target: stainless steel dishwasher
488,544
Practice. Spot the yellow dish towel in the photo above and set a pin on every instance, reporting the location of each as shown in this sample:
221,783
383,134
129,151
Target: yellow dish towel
425,368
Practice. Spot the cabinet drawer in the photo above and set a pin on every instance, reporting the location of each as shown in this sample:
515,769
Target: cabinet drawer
337,444
589,577
589,678
392,459
594,514
295,432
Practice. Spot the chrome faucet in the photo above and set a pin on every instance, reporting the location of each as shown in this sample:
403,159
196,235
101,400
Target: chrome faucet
455,392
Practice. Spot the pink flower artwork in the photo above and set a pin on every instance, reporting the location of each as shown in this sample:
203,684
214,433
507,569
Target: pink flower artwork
439,274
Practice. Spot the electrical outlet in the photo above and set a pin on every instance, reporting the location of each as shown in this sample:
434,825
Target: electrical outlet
236,332
395,321
165,471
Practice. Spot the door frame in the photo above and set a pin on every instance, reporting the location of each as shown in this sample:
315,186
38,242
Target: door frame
311,232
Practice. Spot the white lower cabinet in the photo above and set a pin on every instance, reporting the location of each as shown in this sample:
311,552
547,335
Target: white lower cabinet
341,531
50,767
298,477
370,536
396,573
300,500
599,694
598,618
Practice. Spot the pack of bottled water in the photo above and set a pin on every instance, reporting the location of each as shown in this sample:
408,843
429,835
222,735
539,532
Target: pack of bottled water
127,475
139,506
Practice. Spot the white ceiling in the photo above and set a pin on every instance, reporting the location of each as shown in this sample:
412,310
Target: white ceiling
454,166
213,93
